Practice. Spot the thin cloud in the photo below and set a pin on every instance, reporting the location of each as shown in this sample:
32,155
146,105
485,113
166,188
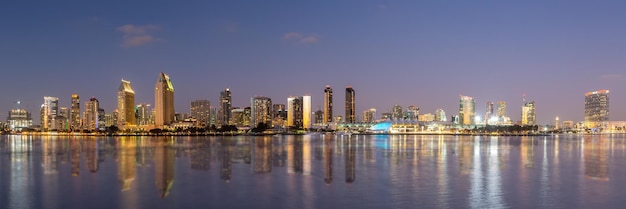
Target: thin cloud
138,35
612,77
292,35
301,38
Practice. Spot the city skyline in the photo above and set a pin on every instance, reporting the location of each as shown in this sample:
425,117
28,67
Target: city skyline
405,53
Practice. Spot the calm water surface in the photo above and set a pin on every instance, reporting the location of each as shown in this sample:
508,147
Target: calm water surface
313,171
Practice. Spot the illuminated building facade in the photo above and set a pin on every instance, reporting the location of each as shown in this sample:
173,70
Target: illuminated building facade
488,112
501,110
91,117
75,113
201,110
125,105
19,119
328,105
240,116
110,119
50,109
440,115
596,108
225,108
350,105
306,112
528,113
428,117
467,111
396,112
318,117
163,101
369,116
295,117
412,112
261,111
142,113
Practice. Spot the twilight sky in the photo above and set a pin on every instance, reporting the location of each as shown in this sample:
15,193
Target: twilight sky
423,53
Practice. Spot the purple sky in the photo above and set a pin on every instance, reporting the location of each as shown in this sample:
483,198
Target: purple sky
423,53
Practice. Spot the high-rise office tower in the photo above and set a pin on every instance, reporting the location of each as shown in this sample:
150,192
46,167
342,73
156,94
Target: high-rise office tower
261,111
596,108
295,117
201,110
225,108
75,113
488,112
50,109
164,101
142,111
212,115
412,112
306,112
91,117
396,112
501,110
467,111
350,105
101,124
369,116
528,113
328,104
126,104
440,115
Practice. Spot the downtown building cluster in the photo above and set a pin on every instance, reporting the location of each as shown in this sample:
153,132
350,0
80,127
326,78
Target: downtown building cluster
296,114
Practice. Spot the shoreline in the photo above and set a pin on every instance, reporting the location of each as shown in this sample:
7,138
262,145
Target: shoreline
294,134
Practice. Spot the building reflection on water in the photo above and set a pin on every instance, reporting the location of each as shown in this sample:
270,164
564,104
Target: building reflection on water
164,166
350,153
126,162
75,149
480,161
328,160
596,158
226,167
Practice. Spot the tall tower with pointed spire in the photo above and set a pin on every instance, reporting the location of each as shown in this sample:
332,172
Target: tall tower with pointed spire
163,101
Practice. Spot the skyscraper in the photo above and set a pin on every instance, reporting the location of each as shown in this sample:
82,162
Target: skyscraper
528,113
501,110
350,106
201,110
225,108
294,112
126,104
164,101
91,117
75,113
306,112
396,112
596,108
328,104
488,112
467,111
50,109
261,111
